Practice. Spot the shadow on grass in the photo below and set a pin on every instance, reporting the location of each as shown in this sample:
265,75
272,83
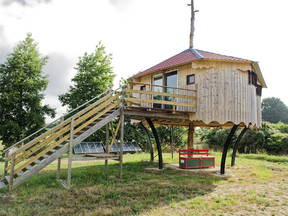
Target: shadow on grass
269,158
98,192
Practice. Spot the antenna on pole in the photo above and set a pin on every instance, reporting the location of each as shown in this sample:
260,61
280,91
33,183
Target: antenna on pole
191,44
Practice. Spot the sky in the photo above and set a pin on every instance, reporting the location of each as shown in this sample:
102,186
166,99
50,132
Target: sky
140,34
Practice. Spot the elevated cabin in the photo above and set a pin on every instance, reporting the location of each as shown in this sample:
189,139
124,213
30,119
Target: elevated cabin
209,89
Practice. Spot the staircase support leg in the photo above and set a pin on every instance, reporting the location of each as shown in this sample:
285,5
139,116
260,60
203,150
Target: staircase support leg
107,145
70,155
225,148
58,168
5,165
157,140
122,119
11,177
235,147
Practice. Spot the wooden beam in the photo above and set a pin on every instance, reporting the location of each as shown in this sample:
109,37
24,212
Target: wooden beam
114,135
162,94
107,144
157,140
122,121
135,100
69,170
236,145
225,148
157,115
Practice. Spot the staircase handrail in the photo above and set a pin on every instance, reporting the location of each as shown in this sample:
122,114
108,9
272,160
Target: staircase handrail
59,118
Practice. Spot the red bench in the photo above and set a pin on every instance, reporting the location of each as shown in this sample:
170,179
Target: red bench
187,159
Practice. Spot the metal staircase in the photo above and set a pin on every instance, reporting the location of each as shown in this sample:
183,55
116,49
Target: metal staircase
27,157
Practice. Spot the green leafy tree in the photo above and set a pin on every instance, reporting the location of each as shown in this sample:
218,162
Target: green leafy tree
21,92
274,110
94,76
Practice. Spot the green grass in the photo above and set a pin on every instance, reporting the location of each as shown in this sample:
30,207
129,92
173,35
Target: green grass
99,192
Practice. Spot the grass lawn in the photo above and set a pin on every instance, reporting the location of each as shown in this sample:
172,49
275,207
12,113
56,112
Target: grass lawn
259,186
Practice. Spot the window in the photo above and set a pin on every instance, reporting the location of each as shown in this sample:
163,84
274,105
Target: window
252,78
259,90
191,79
143,88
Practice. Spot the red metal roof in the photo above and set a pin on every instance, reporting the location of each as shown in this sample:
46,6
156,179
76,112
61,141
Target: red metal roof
185,57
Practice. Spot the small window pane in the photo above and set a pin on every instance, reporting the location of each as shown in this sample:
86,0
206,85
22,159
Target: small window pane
191,79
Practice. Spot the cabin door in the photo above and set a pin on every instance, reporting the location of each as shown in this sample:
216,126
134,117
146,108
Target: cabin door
170,80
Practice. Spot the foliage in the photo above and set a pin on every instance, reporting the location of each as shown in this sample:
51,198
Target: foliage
274,110
94,76
271,138
174,134
215,137
21,92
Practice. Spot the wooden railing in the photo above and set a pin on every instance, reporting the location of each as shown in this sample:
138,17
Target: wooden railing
160,97
27,151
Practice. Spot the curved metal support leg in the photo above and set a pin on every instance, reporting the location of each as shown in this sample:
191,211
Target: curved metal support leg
149,141
225,148
157,140
235,147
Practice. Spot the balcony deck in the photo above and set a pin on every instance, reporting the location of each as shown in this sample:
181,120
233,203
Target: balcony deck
164,104
158,97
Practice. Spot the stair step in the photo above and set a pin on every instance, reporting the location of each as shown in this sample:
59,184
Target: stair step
7,178
45,156
29,167
2,184
59,146
20,173
37,161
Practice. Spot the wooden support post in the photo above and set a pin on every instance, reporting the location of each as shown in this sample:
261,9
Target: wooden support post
225,148
151,150
107,144
70,154
59,159
190,136
157,140
121,141
58,168
235,147
11,177
171,141
5,164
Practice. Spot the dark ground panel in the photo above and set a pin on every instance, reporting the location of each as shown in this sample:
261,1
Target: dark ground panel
88,148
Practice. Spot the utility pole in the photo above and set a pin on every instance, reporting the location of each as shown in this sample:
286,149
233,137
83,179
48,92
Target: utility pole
191,43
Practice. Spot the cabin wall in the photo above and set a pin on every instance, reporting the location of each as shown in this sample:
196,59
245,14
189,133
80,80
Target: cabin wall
223,93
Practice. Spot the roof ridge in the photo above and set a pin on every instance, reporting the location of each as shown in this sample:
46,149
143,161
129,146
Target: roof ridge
196,53
222,54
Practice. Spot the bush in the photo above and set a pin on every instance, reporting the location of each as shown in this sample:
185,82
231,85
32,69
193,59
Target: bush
271,138
278,144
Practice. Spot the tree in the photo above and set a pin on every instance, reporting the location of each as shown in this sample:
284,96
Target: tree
274,110
94,76
21,92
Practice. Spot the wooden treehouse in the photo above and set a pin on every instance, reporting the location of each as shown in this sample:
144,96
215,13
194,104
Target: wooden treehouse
194,88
